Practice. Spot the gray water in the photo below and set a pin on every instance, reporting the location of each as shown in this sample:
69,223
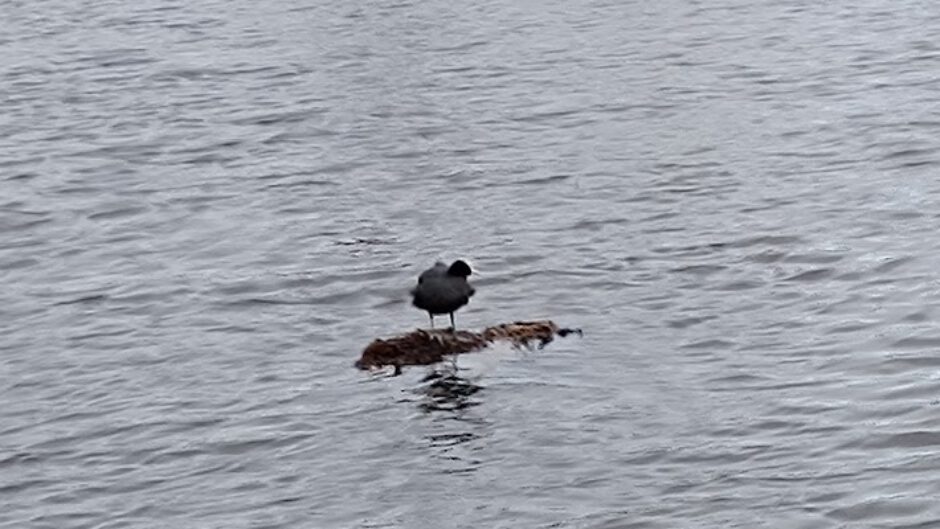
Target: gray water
208,209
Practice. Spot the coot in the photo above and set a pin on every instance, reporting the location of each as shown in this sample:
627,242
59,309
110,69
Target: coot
443,289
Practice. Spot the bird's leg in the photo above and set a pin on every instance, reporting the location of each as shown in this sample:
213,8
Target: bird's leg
432,319
453,357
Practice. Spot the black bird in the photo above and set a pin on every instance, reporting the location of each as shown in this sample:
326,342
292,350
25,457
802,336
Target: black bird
443,289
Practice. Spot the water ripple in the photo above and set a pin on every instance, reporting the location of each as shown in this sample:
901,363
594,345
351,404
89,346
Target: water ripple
209,209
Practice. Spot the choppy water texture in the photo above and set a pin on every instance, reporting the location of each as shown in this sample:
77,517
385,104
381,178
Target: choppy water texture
209,208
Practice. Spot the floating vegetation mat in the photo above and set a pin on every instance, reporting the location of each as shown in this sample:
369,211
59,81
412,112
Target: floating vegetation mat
425,347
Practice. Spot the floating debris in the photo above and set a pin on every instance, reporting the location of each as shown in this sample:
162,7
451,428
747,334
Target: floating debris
425,347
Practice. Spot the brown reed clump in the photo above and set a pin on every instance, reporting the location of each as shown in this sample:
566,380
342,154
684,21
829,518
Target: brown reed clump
425,347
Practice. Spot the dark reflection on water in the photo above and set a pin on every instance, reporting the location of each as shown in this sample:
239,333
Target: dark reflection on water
208,209
446,391
456,433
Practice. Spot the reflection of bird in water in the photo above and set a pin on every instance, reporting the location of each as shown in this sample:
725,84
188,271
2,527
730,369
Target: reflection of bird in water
448,392
443,290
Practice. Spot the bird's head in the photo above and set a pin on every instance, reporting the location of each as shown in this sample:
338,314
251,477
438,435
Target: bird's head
459,269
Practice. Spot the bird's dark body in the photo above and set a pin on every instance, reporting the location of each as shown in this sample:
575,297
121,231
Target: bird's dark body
442,289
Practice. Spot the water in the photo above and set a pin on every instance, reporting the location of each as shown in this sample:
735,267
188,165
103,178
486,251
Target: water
209,208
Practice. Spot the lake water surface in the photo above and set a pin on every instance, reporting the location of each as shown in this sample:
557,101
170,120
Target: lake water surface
208,209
